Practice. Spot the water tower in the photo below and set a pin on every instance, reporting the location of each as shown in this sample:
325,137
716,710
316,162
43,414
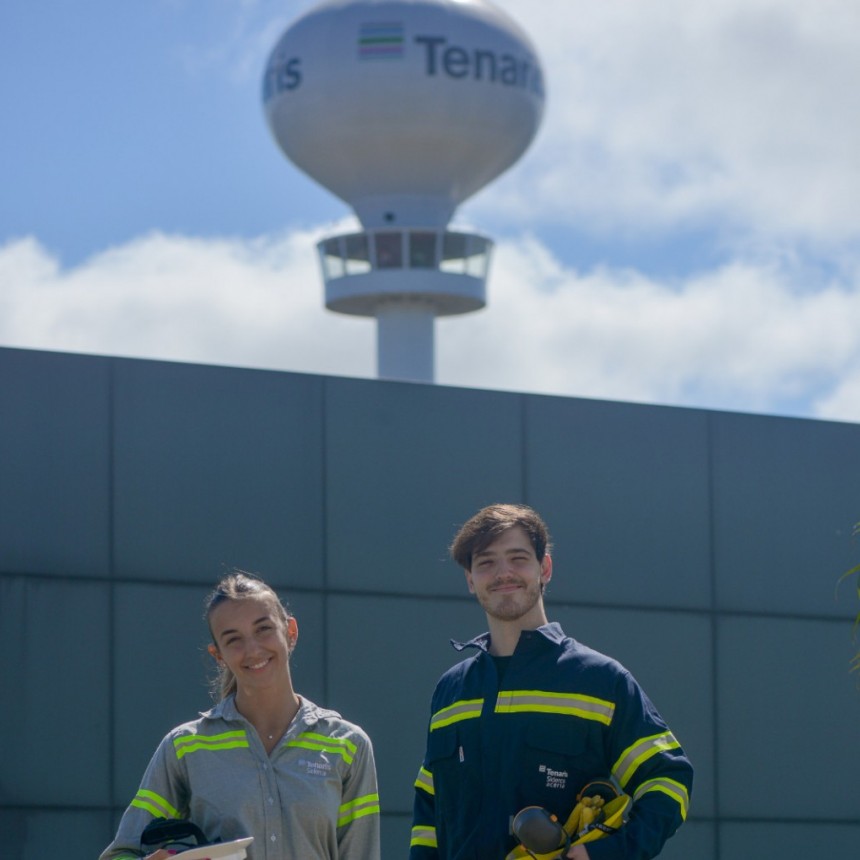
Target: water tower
404,109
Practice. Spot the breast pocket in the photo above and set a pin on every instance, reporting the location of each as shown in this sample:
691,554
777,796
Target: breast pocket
559,756
452,756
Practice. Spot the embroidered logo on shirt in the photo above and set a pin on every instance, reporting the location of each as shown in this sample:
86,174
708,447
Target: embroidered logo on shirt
554,778
315,768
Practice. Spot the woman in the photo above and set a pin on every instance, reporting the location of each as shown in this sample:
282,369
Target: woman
264,762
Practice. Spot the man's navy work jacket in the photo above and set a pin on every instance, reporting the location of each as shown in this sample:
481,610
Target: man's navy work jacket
562,715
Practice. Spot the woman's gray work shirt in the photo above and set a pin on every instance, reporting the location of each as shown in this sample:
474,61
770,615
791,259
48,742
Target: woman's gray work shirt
314,797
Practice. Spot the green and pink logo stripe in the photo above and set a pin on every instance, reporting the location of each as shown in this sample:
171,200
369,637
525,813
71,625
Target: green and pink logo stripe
380,40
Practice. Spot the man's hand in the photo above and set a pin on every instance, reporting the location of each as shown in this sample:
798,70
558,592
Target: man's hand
577,852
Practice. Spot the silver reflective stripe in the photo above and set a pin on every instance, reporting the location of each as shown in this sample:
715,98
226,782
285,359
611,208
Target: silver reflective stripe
640,752
425,781
192,743
542,701
670,787
358,808
468,709
155,804
425,836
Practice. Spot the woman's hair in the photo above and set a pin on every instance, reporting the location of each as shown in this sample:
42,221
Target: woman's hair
490,523
238,585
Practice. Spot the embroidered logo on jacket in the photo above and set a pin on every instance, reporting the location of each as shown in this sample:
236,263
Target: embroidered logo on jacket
315,768
554,778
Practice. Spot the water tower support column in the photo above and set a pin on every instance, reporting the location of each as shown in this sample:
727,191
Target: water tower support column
404,121
404,341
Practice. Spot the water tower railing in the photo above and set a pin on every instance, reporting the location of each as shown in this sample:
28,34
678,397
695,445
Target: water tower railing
440,250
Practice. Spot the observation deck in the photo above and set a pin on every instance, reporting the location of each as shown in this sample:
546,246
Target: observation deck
443,269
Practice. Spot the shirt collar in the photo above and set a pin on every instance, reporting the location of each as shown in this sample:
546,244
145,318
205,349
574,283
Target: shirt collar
309,714
224,710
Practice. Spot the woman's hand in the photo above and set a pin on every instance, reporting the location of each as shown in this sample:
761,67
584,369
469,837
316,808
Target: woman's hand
161,854
577,852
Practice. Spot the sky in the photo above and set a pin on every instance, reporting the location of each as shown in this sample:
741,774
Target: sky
684,229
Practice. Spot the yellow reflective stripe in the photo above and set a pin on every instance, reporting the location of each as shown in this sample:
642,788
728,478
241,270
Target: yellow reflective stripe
674,789
324,743
467,709
154,803
542,701
192,743
358,808
423,835
425,781
640,752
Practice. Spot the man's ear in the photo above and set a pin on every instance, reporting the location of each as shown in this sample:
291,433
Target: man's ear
546,569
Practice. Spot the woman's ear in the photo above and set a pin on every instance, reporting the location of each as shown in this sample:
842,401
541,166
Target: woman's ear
292,632
216,654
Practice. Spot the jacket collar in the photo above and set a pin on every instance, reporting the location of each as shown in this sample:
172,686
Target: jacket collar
551,632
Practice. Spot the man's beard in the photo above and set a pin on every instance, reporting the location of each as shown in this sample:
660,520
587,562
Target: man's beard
512,606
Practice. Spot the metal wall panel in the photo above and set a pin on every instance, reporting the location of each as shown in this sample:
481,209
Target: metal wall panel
696,840
625,492
159,675
396,833
386,655
54,464
344,494
36,834
215,468
788,718
787,838
406,464
55,717
785,500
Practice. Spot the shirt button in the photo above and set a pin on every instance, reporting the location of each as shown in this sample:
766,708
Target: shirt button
271,800
273,838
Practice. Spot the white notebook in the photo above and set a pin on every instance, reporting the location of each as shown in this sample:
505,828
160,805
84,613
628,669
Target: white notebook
234,850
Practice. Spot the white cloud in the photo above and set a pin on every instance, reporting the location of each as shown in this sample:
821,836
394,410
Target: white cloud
736,117
668,112
742,337
249,303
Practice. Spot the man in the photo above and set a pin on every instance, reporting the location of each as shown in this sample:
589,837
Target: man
534,716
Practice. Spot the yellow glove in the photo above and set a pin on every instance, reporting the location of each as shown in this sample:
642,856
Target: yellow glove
599,811
597,822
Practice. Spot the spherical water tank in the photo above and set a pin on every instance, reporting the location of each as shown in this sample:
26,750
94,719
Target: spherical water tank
404,108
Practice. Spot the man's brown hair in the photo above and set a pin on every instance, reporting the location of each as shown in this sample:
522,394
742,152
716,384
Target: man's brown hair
477,533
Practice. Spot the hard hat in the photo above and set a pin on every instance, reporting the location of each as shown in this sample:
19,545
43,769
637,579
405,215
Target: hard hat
185,839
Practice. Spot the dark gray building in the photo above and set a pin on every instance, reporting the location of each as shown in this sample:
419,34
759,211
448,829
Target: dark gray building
702,549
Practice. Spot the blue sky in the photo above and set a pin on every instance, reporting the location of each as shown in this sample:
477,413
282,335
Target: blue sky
684,229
